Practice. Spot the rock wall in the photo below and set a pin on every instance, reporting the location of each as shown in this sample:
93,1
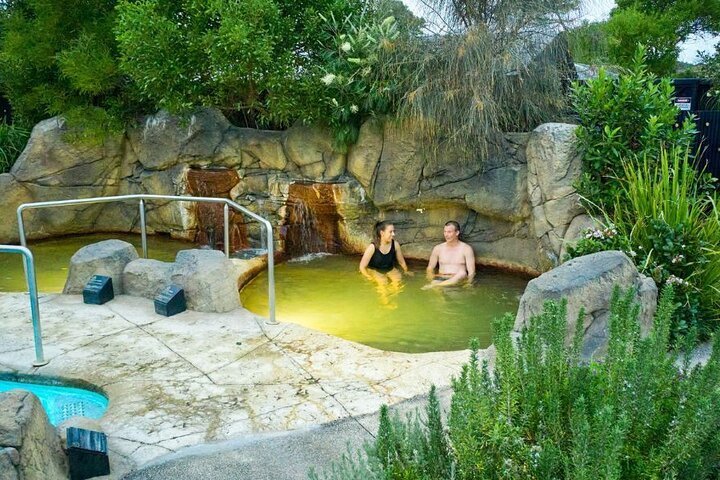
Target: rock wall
514,210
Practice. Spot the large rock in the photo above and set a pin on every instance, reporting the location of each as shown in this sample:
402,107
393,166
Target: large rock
145,277
588,282
210,280
51,161
13,194
108,257
165,140
554,166
311,149
363,157
29,444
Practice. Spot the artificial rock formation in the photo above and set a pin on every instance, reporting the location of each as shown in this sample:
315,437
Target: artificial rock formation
29,446
108,258
210,280
588,282
514,208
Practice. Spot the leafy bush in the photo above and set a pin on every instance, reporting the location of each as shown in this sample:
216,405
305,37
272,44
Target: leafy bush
544,414
666,220
13,139
60,57
621,119
245,58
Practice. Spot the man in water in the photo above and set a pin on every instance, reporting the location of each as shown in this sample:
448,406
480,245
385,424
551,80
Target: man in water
455,258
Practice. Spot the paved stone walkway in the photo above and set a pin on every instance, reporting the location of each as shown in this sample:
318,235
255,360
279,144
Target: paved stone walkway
197,377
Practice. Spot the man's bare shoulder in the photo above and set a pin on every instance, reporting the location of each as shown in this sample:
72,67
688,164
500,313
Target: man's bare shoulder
467,248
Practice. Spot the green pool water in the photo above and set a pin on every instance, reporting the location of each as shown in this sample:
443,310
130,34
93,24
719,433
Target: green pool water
52,258
327,293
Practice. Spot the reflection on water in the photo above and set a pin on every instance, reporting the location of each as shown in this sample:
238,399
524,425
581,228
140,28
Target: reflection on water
327,293
52,258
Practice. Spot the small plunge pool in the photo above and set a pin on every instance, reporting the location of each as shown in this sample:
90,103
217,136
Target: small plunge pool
327,293
60,402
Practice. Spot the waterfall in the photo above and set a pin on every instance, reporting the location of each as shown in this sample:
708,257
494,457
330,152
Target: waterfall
311,220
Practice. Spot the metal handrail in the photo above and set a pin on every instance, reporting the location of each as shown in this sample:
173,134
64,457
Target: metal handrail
34,305
143,229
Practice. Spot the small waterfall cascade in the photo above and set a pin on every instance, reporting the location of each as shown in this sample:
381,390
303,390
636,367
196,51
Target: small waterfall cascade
216,183
311,220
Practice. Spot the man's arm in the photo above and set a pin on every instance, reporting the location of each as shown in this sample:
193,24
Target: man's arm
432,263
470,263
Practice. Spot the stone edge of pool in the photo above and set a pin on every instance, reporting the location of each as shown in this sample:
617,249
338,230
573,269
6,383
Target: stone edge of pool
197,377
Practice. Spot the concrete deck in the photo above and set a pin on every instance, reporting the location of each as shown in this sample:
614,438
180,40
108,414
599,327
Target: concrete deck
196,377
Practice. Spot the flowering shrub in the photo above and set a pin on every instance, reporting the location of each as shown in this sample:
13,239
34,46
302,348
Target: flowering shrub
349,86
545,414
598,240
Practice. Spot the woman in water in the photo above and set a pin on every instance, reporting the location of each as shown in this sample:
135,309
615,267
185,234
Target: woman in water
382,257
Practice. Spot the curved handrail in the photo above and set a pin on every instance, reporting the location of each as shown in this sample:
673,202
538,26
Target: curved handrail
143,230
29,264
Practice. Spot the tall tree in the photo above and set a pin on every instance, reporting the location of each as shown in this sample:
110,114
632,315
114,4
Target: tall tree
60,56
660,25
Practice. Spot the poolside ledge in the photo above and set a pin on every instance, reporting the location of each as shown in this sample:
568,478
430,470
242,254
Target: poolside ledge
202,377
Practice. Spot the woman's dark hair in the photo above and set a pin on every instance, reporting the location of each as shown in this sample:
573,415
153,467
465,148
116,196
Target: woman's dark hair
380,227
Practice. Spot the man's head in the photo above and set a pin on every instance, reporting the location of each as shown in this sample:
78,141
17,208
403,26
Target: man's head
451,232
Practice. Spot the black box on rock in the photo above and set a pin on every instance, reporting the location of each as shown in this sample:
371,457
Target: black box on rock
170,301
87,453
98,290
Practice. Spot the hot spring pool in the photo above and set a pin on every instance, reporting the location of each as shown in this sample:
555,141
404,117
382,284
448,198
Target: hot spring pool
52,258
327,293
60,402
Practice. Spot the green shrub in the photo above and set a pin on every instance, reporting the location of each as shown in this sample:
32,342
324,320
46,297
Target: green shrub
13,139
622,119
666,220
60,57
544,414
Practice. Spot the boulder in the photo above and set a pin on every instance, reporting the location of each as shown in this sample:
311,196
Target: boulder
49,160
588,282
9,461
209,278
145,277
553,168
308,146
108,257
251,148
13,194
364,155
24,428
575,232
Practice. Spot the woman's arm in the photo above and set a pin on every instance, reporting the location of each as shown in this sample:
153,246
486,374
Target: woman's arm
400,258
365,260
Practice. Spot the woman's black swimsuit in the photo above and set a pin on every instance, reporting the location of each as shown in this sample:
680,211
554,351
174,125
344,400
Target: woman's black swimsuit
383,262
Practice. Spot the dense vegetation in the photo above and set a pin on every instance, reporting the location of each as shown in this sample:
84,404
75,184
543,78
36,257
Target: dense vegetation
543,413
641,184
661,25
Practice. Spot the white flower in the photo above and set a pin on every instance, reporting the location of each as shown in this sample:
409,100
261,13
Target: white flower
354,108
346,47
678,258
673,280
334,102
328,78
